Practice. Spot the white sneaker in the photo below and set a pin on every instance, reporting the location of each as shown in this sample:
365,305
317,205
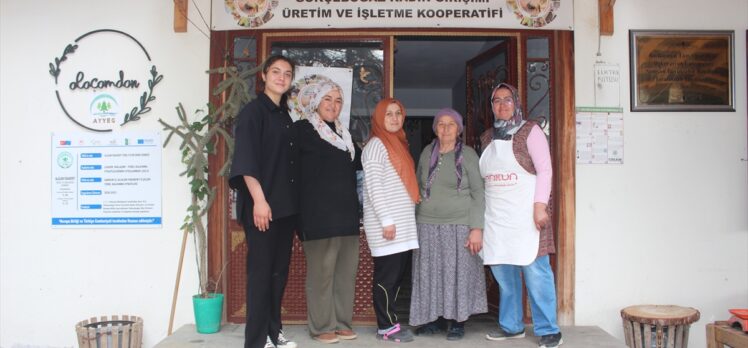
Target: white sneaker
284,343
269,343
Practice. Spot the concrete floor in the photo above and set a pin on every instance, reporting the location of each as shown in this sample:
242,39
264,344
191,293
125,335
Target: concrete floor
232,335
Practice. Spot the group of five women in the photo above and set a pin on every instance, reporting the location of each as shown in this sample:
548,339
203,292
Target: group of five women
454,210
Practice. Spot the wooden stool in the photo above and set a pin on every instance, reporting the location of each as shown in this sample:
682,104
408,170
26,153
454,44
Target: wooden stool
653,326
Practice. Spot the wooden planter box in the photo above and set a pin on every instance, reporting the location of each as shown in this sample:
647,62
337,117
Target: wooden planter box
126,332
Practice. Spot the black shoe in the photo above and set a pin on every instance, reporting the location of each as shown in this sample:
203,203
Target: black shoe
455,333
551,341
500,335
431,328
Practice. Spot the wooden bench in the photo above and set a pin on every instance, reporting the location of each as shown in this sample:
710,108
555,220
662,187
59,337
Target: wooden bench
720,333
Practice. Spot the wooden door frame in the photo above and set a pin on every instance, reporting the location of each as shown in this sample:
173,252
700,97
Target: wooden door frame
563,148
564,178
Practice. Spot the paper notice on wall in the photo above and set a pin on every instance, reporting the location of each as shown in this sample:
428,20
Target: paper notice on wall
607,85
108,180
599,135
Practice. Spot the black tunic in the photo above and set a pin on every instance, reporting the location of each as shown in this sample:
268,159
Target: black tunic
262,150
327,185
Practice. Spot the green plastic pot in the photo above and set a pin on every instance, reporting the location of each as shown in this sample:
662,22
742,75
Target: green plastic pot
208,312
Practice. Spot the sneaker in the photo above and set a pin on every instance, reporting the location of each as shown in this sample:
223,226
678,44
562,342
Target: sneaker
283,342
551,341
396,334
455,333
346,334
500,335
269,343
326,337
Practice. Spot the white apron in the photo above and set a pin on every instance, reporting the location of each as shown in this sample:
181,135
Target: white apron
509,235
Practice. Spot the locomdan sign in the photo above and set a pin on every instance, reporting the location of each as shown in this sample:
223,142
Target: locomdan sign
105,79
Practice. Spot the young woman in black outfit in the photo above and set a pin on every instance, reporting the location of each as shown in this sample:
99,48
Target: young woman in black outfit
262,174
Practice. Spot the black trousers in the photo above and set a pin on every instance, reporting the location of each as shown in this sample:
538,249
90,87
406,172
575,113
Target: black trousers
268,257
389,271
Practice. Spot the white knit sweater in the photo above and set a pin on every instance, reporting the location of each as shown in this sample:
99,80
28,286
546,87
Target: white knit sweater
386,202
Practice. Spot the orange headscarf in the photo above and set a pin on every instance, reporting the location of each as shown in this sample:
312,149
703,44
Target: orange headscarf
397,147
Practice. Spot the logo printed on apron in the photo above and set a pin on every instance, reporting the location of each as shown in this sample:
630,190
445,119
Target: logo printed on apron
510,235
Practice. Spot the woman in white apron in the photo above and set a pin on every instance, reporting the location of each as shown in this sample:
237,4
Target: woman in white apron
516,169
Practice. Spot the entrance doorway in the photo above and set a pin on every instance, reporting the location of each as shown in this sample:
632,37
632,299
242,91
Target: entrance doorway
431,73
427,71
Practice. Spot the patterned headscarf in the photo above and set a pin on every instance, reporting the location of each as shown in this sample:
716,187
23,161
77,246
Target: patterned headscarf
436,149
320,91
397,147
504,129
341,137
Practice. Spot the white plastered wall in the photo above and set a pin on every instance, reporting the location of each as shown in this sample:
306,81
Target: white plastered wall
52,278
670,225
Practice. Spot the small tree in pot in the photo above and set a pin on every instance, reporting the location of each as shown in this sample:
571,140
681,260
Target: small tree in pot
199,140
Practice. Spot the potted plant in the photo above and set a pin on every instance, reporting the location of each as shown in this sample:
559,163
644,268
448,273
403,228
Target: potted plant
199,139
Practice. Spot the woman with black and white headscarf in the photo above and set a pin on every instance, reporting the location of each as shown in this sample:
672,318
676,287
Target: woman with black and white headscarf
329,222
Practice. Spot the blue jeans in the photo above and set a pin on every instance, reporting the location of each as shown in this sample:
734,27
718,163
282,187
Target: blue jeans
542,291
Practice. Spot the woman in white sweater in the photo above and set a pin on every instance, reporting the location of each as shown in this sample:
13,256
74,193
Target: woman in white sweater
390,196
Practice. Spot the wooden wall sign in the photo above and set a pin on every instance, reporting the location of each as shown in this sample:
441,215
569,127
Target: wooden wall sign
682,70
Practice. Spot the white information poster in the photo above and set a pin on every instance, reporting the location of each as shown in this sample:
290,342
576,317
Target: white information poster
599,135
106,180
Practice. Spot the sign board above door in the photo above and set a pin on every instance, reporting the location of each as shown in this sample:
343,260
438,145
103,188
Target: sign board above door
323,14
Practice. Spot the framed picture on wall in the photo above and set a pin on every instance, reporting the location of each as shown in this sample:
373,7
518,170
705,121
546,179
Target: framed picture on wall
682,70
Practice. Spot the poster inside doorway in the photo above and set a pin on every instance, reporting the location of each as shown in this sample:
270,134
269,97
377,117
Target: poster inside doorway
306,84
108,180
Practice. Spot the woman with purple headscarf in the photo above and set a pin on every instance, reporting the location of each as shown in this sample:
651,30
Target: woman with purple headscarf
516,167
448,278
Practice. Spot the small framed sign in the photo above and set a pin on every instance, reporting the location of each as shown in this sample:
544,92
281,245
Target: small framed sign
682,70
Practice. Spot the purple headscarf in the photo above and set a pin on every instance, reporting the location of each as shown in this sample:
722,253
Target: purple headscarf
434,160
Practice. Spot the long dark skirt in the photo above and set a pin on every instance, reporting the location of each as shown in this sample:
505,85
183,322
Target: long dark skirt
448,281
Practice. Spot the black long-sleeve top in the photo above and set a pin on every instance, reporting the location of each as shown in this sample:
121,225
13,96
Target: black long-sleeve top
329,204
263,150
